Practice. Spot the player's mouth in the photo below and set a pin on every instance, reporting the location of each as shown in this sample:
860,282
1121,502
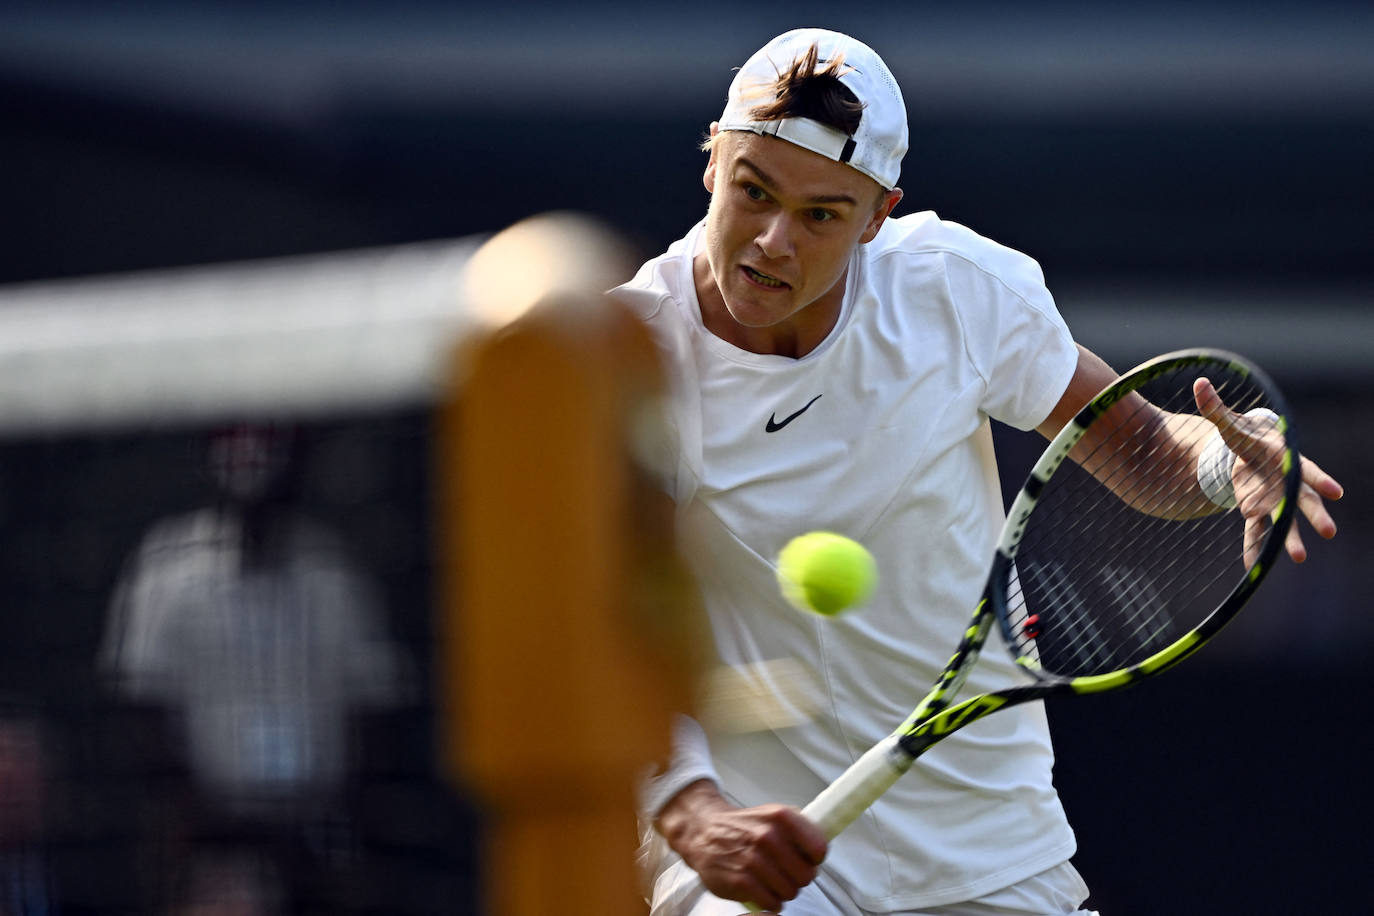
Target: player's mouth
762,279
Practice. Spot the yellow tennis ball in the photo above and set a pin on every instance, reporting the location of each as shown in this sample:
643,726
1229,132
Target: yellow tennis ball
826,572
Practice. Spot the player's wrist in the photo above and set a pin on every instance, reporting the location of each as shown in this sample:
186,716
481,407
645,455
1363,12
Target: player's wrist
686,809
691,763
1216,462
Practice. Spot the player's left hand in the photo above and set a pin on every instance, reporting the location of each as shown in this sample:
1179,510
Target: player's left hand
1258,447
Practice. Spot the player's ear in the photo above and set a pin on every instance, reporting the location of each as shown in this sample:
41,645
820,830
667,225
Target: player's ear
708,178
889,200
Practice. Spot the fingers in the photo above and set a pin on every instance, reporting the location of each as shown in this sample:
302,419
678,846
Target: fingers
789,856
1314,510
1316,486
776,882
1244,439
1297,551
766,887
1253,538
1209,403
764,855
1215,411
759,887
1255,529
810,840
1326,486
1249,437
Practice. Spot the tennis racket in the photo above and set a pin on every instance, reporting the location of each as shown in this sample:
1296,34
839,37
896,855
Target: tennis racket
1115,566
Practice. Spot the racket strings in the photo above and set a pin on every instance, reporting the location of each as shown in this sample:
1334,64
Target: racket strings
1134,451
1103,586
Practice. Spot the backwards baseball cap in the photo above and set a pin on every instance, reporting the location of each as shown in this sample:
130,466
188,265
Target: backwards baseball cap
876,148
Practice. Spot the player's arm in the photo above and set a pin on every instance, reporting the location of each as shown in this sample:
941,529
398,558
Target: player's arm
762,855
1165,450
1137,451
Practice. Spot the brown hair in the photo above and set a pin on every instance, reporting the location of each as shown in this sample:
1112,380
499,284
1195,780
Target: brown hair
804,91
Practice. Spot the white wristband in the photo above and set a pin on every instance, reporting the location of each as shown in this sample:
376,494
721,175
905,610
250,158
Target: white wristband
1215,463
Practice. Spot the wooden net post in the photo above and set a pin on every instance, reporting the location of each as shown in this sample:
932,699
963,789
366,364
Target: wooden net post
566,633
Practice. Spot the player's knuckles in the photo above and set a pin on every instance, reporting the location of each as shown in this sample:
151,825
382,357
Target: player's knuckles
776,814
762,862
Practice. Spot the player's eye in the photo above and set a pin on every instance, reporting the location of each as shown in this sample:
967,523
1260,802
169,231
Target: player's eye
821,215
754,192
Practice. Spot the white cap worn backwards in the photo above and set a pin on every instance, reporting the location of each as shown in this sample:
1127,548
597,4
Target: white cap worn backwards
877,147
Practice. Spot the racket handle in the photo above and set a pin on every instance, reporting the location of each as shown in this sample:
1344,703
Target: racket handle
867,778
841,803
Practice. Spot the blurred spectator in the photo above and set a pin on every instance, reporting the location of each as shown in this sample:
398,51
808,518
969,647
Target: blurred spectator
247,620
26,885
229,884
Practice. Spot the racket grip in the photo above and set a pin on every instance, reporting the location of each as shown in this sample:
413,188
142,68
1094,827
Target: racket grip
841,803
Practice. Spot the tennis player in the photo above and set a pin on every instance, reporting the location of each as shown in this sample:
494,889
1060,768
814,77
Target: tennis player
835,368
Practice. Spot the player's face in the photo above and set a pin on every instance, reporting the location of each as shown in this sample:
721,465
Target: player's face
781,228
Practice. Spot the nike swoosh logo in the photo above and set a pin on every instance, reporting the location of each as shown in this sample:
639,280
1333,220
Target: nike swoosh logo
773,425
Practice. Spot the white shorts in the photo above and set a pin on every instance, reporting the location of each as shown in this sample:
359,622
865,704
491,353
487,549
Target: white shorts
1058,891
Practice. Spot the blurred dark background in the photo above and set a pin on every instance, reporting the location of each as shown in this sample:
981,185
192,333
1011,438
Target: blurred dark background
1186,173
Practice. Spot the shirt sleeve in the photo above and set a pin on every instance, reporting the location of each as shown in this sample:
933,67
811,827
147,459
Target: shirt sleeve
691,762
1015,336
136,655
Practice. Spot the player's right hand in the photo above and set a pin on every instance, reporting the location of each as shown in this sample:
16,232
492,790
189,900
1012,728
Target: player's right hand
762,855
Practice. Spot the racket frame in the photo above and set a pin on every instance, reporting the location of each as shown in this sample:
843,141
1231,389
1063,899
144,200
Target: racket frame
844,800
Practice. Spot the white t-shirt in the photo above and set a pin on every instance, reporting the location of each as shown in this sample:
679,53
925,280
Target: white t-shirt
888,443
262,664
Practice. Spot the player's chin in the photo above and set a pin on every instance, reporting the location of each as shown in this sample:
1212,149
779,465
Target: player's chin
752,314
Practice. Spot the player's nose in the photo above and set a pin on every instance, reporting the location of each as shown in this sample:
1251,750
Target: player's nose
774,237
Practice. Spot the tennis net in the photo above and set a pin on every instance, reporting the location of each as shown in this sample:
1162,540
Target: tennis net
218,662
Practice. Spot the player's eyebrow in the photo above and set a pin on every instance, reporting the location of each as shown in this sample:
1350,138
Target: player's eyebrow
772,185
